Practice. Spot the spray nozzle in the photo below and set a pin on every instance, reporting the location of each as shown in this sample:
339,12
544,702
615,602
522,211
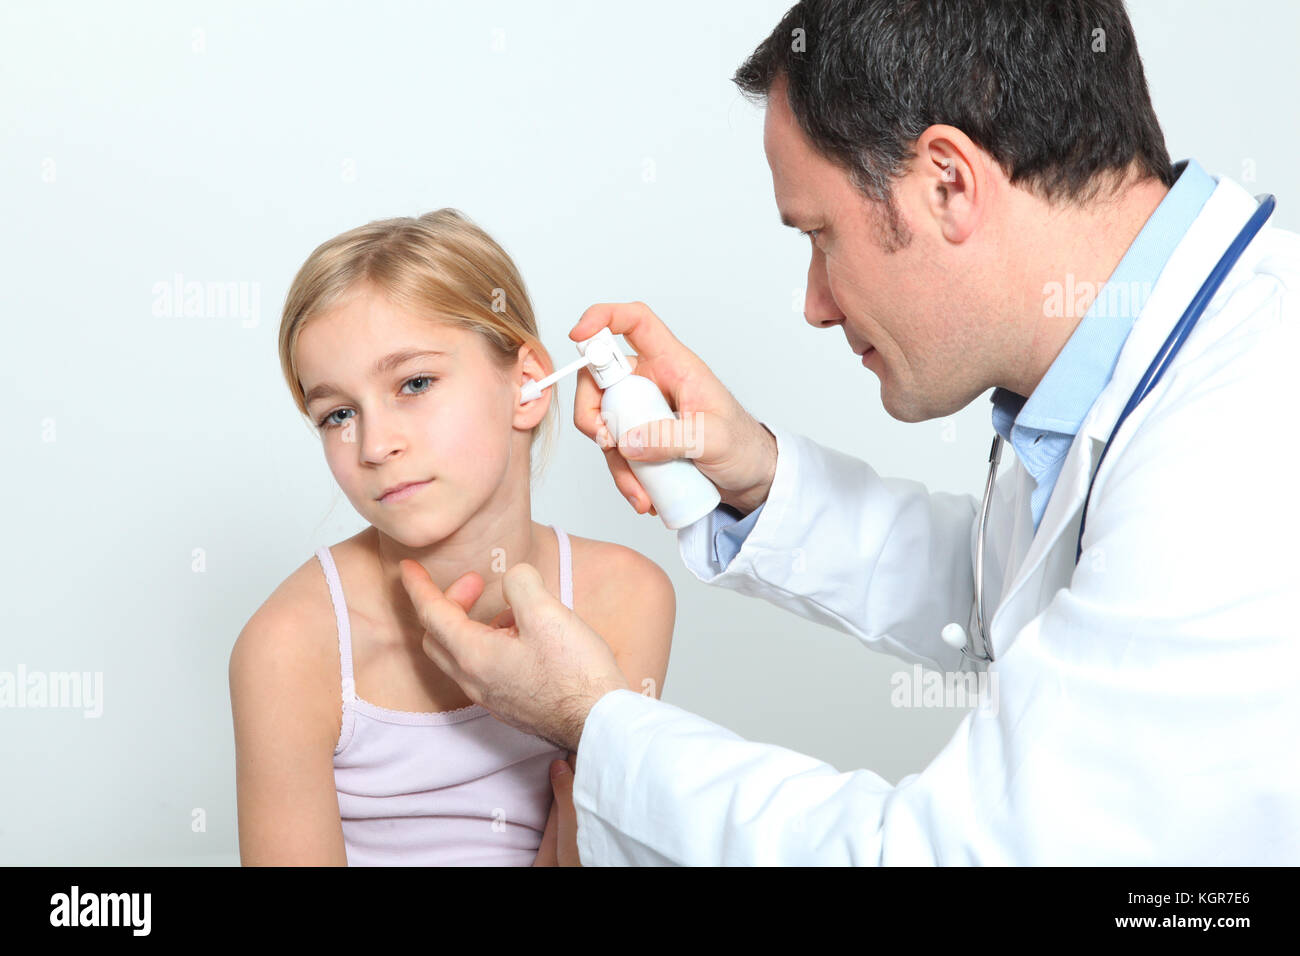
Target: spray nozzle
600,352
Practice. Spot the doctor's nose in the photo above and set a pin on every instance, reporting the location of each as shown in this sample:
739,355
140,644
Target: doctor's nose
820,309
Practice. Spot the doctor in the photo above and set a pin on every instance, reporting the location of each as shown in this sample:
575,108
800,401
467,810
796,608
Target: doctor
958,195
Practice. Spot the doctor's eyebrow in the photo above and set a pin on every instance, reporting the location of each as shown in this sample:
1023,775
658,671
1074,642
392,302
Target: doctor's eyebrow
789,220
385,364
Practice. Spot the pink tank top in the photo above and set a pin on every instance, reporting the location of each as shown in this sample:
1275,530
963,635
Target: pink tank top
445,788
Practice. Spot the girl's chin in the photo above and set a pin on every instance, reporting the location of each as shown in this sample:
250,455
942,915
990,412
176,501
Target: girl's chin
411,537
415,528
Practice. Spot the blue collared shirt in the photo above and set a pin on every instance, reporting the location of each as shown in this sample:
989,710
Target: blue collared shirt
1042,427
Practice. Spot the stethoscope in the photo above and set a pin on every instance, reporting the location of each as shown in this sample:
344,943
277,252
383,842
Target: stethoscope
954,634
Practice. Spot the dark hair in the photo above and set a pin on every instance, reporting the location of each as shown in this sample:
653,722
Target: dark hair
1053,90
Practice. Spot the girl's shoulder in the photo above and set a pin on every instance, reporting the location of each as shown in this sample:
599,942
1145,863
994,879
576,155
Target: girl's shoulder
292,641
298,617
623,595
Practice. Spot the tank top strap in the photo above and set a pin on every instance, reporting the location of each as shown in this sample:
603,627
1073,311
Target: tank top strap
566,567
341,617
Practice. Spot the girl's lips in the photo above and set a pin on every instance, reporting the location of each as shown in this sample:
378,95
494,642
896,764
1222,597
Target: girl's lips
403,493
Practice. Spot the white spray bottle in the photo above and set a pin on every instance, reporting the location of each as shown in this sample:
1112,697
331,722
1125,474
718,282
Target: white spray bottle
677,489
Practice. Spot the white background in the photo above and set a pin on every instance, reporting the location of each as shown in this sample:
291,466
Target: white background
606,148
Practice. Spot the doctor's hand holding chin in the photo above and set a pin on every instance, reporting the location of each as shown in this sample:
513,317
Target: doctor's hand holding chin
537,667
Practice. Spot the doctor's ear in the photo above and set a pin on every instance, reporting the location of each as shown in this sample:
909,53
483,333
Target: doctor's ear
952,180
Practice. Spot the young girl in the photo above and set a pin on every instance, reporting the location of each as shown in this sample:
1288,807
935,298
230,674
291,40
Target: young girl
406,342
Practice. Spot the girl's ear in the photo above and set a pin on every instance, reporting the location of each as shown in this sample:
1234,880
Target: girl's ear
529,367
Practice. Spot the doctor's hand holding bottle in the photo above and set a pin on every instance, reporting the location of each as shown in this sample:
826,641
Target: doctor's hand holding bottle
727,444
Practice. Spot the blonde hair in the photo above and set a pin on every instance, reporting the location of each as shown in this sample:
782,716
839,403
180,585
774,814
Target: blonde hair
440,265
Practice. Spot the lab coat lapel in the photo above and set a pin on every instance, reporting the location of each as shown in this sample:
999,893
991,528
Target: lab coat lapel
1225,212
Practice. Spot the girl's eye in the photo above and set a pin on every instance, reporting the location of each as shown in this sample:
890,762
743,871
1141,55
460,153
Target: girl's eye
329,421
420,378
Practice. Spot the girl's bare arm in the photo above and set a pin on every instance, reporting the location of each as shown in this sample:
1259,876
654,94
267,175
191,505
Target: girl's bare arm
286,721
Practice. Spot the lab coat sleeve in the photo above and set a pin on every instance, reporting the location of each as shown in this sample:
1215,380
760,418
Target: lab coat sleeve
656,785
882,559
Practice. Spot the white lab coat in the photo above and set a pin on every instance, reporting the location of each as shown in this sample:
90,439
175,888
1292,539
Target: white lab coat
1147,708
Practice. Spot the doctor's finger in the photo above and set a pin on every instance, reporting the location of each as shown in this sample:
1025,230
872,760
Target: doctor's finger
587,397
444,661
505,620
627,482
635,321
444,617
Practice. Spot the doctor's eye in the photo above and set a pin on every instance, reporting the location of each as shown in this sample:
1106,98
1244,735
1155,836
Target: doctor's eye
810,233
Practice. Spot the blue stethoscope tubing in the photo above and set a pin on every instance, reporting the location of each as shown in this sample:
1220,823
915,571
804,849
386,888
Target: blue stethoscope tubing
1153,374
1179,335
